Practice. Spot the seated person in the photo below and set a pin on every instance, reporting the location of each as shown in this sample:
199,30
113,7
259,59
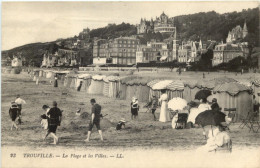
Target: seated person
120,124
216,138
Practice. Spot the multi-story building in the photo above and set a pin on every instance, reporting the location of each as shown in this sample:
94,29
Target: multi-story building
189,51
120,50
162,24
154,51
223,53
60,58
237,33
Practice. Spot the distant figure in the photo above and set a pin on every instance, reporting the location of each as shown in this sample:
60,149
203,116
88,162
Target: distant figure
13,113
95,119
55,81
134,108
214,105
153,105
19,103
120,124
55,115
203,75
79,87
179,70
242,71
164,114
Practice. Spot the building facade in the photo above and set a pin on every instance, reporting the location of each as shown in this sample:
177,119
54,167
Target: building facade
223,53
154,51
120,50
237,33
162,24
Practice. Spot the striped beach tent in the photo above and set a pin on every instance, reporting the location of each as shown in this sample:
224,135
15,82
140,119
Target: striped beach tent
175,89
97,85
234,95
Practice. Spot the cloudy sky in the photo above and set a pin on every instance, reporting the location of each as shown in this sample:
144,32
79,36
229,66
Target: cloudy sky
28,22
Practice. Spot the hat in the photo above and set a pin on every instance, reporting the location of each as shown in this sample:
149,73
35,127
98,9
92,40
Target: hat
214,100
122,120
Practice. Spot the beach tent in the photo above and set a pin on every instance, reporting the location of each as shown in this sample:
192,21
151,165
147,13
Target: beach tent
84,79
68,80
190,90
73,83
175,89
49,74
106,86
86,83
137,88
113,86
123,85
234,95
96,86
40,73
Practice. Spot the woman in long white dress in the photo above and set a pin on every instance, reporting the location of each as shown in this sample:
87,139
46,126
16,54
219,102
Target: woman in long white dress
164,114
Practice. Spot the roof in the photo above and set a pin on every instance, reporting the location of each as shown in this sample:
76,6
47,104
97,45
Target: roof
232,89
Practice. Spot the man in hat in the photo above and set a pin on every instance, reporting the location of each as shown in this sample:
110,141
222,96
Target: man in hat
214,105
134,108
55,115
95,119
19,103
153,105
13,113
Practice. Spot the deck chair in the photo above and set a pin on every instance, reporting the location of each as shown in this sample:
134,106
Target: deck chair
225,148
246,121
182,121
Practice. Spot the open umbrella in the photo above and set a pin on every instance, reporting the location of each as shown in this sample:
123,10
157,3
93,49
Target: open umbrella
177,103
202,94
210,117
162,85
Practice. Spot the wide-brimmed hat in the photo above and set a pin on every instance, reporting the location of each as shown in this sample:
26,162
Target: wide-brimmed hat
122,120
214,100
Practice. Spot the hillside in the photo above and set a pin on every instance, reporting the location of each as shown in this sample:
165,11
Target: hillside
33,53
214,26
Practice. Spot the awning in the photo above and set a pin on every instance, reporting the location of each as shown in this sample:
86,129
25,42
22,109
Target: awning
163,58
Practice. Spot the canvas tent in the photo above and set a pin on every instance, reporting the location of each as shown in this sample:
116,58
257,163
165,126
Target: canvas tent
96,86
234,95
175,89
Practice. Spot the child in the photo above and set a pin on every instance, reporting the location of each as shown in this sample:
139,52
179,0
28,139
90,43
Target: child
120,124
13,112
134,107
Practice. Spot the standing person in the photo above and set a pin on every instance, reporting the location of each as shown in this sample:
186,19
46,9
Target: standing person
13,113
54,121
203,75
95,119
214,105
55,81
134,107
153,105
45,119
164,114
19,103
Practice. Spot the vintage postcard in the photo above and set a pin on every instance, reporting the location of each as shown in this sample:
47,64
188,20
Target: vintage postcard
130,84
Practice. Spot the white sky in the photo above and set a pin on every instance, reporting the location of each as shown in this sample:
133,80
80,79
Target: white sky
28,22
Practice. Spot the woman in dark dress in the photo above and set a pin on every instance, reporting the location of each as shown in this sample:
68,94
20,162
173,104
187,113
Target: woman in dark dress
13,113
134,107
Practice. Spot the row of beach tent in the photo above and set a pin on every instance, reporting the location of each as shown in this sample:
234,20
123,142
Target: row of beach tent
229,92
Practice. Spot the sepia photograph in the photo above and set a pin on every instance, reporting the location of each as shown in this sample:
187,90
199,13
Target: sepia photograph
130,84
